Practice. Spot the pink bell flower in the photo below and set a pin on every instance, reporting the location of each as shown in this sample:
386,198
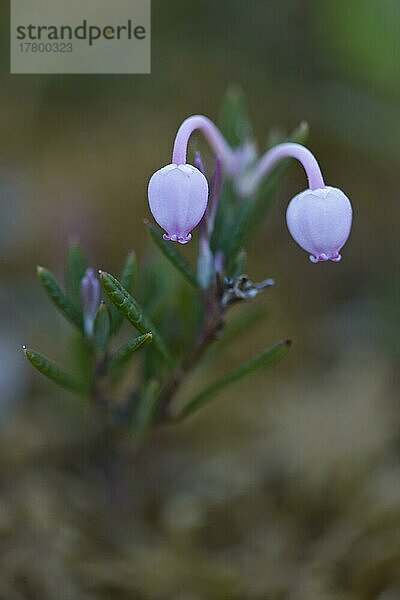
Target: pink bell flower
320,221
178,193
178,196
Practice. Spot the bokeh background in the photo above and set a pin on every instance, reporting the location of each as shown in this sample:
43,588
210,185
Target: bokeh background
288,485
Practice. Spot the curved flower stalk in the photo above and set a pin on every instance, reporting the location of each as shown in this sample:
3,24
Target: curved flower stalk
252,179
319,219
212,135
178,192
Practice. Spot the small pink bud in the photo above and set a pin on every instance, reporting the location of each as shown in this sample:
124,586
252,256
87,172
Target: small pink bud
178,197
320,221
90,297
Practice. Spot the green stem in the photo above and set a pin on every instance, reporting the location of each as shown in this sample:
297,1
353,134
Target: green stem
212,324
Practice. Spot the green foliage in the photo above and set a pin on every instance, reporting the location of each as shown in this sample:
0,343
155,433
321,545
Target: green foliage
129,271
90,349
238,217
53,372
172,254
59,299
120,359
234,119
235,237
205,266
74,270
102,328
239,263
239,326
130,309
81,350
176,322
127,280
155,280
147,407
264,359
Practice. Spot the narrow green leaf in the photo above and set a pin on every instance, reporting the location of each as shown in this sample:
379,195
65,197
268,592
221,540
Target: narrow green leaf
237,234
238,327
53,372
171,252
205,266
55,293
122,356
74,270
127,280
147,407
239,264
223,219
81,351
234,119
266,358
128,274
132,311
101,329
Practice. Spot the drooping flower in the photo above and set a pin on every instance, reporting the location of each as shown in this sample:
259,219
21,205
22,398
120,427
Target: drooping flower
178,193
178,196
90,298
319,220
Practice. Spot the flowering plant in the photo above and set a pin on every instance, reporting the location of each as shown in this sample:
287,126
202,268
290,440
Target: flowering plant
175,329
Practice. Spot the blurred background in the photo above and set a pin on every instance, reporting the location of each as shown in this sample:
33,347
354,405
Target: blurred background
288,485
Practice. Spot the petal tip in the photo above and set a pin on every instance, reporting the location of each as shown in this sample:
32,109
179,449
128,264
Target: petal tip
181,239
334,257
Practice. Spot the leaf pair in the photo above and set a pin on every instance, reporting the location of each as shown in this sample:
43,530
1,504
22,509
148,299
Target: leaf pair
107,321
115,366
59,298
133,312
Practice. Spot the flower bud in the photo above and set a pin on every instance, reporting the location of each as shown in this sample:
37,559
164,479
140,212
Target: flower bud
178,197
320,221
90,297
